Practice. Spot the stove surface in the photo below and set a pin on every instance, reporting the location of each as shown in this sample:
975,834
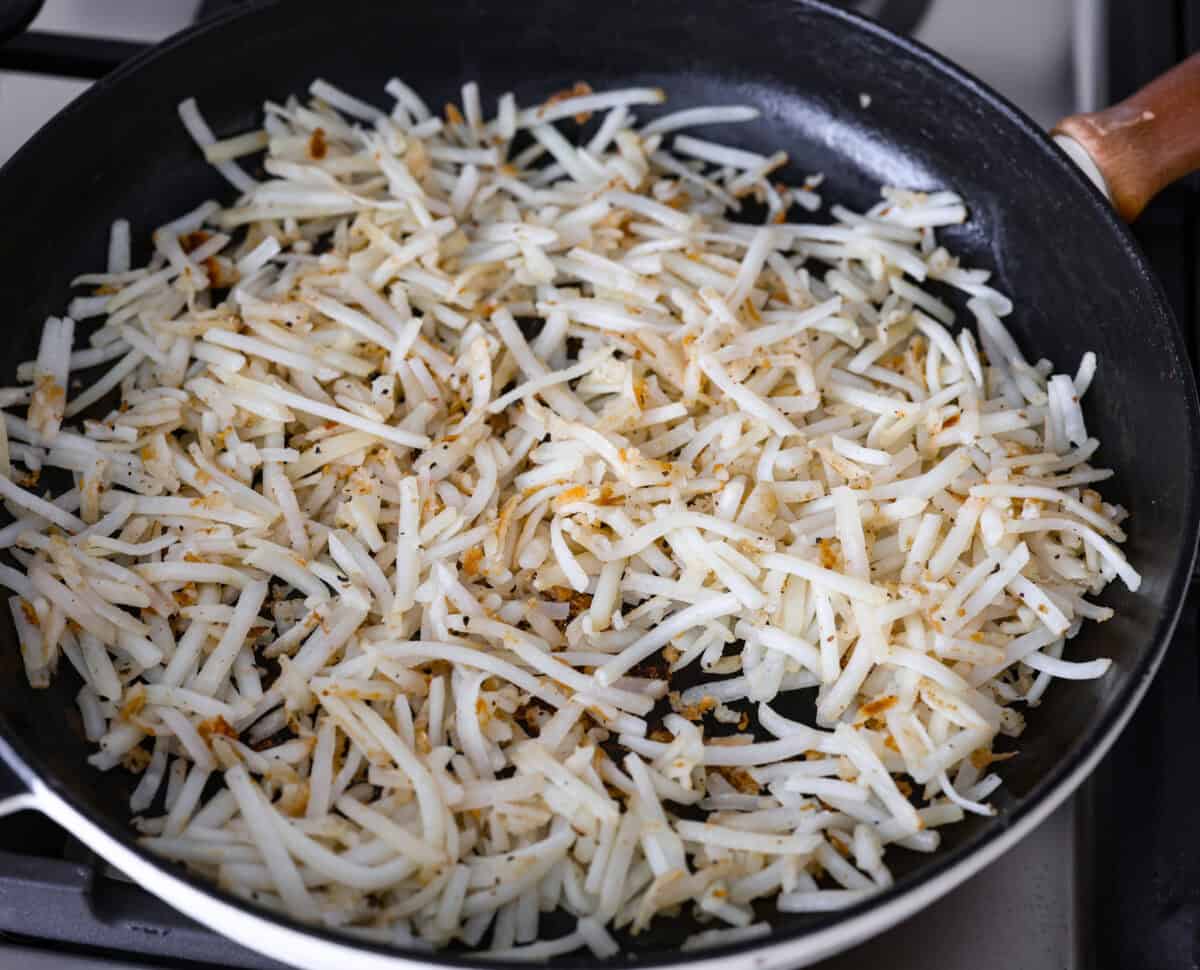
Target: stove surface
1036,908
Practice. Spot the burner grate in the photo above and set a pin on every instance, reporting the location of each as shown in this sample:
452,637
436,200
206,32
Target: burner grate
66,897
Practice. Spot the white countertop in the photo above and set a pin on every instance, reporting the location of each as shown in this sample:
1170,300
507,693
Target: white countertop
26,102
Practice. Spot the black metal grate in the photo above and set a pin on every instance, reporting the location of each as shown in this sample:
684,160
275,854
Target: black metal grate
1143,828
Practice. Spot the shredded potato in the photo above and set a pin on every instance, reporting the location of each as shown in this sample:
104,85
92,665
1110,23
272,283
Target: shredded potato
500,518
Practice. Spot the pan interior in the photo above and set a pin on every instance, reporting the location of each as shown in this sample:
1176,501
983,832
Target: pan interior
1076,282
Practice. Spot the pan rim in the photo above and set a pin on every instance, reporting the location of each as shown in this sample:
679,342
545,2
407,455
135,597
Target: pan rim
941,873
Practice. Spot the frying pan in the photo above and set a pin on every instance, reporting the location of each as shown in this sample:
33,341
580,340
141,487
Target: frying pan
1052,240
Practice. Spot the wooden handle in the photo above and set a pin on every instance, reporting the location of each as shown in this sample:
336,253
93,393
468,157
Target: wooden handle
1147,141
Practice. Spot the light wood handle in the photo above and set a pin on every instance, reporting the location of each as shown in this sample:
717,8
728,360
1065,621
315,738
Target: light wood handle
1147,141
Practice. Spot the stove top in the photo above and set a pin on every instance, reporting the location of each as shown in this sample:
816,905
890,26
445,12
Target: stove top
1111,880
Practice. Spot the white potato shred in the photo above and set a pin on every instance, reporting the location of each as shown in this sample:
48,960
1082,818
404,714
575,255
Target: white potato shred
481,519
